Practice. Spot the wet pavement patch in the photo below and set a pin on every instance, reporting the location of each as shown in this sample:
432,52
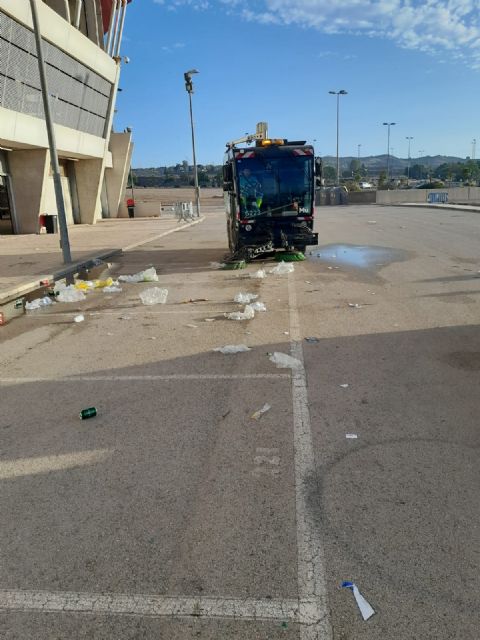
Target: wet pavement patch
357,256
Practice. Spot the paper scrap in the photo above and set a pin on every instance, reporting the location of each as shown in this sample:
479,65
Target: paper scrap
365,609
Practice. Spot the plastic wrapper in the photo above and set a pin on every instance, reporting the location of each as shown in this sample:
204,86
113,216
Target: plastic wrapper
149,275
233,348
366,610
38,303
258,414
245,298
155,295
284,361
260,274
282,268
68,294
258,306
247,314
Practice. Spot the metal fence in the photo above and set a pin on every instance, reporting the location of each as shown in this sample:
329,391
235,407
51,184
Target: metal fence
80,96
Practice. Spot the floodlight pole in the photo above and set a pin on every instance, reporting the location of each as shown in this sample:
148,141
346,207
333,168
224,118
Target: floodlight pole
57,180
189,88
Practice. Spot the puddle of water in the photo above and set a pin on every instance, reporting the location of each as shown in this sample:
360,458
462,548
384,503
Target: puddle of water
357,256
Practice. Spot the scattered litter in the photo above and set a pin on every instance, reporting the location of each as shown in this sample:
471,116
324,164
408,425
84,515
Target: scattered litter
312,339
286,333
88,285
330,268
351,436
91,412
307,282
283,361
365,609
282,268
216,265
258,414
261,273
245,298
372,222
235,264
109,333
247,314
192,326
79,318
209,319
125,318
149,275
248,333
194,300
258,306
354,305
155,295
226,414
112,288
153,338
344,386
68,294
233,348
38,303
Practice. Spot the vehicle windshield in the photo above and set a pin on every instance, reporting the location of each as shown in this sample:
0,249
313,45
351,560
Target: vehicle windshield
275,186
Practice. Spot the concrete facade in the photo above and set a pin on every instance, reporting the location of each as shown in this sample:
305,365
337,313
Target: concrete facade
82,81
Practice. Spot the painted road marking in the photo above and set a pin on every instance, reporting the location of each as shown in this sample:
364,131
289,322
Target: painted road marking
159,377
311,566
152,605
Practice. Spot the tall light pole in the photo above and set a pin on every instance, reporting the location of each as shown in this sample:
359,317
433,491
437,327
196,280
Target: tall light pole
57,180
342,92
189,87
358,154
409,138
474,144
420,151
388,124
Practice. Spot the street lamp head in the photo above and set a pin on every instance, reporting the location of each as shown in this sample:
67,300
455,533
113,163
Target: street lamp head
342,92
334,93
188,80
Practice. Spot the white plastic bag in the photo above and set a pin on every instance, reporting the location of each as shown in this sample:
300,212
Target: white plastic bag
68,294
259,274
247,314
282,268
233,348
79,318
258,306
283,361
245,298
38,303
155,295
149,275
112,289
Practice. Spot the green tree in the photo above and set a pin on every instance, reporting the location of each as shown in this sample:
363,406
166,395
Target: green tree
329,173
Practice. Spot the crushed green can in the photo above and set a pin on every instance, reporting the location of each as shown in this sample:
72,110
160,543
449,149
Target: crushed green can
91,412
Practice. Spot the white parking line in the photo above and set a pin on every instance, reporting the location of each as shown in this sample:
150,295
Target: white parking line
152,605
154,377
311,569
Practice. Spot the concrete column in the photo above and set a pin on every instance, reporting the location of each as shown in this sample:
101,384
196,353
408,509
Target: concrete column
117,177
29,172
89,175
62,7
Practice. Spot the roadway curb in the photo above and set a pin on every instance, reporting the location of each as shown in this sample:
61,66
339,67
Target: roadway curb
32,285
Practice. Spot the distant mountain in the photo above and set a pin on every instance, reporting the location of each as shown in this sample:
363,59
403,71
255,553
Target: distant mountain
375,164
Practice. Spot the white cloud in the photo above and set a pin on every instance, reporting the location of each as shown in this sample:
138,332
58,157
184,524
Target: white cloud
443,27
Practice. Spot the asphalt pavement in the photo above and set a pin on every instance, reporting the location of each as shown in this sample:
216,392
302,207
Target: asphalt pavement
174,514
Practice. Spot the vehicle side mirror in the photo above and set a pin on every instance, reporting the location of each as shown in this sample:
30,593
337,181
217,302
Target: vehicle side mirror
227,177
228,186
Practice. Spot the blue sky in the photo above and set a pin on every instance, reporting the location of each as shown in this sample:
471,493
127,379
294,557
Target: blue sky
405,61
